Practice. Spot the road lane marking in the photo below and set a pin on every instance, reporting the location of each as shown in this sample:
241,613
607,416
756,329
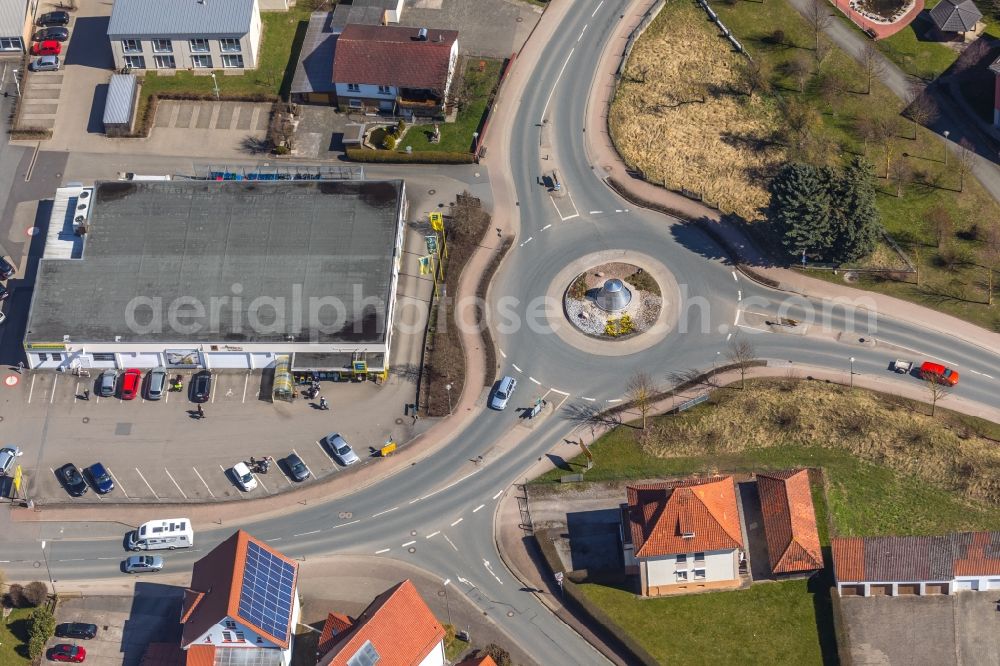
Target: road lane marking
432,534
499,493
55,382
147,483
414,501
384,550
306,533
615,400
527,241
735,279
729,336
534,380
598,7
736,319
453,483
76,392
516,368
407,544
382,513
457,522
117,482
486,563
596,212
478,508
555,390
175,482
588,399
501,352
274,539
581,33
203,483
739,294
31,389
346,524
546,227
552,92
450,543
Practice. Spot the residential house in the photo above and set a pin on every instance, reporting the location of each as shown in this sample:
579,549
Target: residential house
683,536
242,606
393,69
16,24
789,522
185,34
397,628
893,565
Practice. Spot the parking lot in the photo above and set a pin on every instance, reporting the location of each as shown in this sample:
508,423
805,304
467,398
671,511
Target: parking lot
161,452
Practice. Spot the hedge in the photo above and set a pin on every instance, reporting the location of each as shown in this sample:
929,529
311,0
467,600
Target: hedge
417,157
30,134
42,627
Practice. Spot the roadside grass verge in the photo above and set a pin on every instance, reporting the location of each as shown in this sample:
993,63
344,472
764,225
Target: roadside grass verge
889,468
14,637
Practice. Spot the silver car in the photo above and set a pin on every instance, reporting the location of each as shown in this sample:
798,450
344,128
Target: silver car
106,383
143,564
8,455
156,383
341,450
48,63
502,395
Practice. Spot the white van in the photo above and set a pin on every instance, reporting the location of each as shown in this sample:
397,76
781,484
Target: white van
159,534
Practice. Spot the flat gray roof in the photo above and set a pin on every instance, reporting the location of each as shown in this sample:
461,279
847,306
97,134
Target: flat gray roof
181,18
243,262
12,15
121,95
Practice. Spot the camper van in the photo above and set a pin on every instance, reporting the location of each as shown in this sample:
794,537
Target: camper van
159,534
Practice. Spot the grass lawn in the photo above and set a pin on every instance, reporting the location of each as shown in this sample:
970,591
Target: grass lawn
456,137
778,623
877,483
915,51
14,638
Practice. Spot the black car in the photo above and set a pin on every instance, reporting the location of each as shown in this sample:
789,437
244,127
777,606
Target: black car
53,19
296,468
201,386
52,35
70,477
7,269
76,630
100,479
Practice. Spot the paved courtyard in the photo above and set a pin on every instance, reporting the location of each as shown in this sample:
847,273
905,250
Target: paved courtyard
487,28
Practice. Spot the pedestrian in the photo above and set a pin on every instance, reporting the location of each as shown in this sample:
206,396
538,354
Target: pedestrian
86,394
201,412
20,366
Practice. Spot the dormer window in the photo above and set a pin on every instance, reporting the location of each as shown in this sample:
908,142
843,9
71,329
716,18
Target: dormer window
688,535
230,624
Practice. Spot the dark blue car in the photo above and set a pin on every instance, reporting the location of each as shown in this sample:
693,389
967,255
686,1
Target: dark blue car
100,479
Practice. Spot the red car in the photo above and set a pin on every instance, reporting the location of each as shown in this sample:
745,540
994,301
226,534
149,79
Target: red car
131,381
939,373
48,47
66,652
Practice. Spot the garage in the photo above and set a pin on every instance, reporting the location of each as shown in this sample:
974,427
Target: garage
881,589
936,588
993,584
852,590
908,588
963,585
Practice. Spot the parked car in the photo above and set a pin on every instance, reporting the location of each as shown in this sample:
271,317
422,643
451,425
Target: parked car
48,47
7,269
48,63
106,383
201,386
296,468
8,455
4,294
131,381
143,564
502,395
341,450
57,34
938,373
53,19
64,652
71,478
100,479
244,477
156,383
76,630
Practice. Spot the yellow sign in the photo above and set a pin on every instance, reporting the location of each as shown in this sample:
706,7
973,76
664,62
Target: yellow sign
425,265
17,479
586,451
61,346
387,449
437,221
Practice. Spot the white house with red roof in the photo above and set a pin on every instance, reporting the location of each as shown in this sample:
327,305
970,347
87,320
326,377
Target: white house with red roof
683,536
397,629
242,606
393,69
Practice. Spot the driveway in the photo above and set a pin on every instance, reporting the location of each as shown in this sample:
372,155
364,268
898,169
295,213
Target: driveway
959,629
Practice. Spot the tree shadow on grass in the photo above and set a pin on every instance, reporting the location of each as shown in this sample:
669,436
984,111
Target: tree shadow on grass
820,586
21,630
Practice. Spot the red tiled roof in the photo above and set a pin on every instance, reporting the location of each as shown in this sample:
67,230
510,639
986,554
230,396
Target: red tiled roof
392,56
485,660
916,558
661,513
200,655
789,521
399,625
333,629
978,555
219,577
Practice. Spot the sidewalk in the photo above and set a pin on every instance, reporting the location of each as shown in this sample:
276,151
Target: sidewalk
603,155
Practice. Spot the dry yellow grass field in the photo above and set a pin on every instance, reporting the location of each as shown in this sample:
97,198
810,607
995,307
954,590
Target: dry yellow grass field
943,453
660,124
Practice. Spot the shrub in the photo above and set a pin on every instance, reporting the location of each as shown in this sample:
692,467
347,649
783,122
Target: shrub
389,141
400,128
499,655
578,289
43,626
35,593
416,157
282,150
777,37
14,597
643,281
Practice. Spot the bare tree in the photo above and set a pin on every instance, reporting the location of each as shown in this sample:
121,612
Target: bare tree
831,87
901,172
585,415
743,355
884,132
641,391
966,160
872,62
989,255
755,74
818,17
799,70
693,377
942,224
864,125
922,109
936,391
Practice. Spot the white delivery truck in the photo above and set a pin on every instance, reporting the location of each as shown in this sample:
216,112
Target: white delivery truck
159,534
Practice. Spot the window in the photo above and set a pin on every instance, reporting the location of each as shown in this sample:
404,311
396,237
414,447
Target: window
201,61
229,45
232,61
354,104
227,636
682,575
10,44
135,62
699,574
699,557
384,90
56,357
165,62
241,637
43,357
163,46
682,559
230,624
199,46
353,87
104,357
131,46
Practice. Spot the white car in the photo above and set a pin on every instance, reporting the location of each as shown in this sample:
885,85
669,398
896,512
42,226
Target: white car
8,455
244,477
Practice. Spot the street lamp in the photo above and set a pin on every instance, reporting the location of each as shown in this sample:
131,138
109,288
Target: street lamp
447,605
447,387
946,133
52,581
852,372
17,84
215,86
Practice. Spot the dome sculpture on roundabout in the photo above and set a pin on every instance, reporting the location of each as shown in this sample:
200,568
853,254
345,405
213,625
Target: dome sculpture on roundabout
613,296
613,301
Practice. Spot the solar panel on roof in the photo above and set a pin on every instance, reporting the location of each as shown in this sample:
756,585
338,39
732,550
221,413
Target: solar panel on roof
266,596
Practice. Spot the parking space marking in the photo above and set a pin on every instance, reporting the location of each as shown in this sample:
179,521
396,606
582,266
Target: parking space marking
432,534
308,469
261,482
31,389
215,385
246,382
147,483
118,483
175,482
55,382
319,443
76,392
204,484
450,542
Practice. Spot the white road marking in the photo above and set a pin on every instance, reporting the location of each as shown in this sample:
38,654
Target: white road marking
432,534
729,336
618,210
175,482
384,550
736,318
546,227
274,539
921,353
32,388
486,564
516,368
457,522
147,483
598,7
245,383
478,508
551,92
203,483
229,392
596,212
453,483
306,533
52,397
407,544
308,469
534,380
414,501
76,392
501,352
499,493
382,513
527,241
117,482
450,543
735,279
261,482
581,33
346,524
588,399
555,390
739,295
615,400
73,559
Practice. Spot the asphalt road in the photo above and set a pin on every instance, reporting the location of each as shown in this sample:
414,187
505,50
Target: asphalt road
446,527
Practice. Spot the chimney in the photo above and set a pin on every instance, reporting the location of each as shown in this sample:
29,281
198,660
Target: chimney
422,35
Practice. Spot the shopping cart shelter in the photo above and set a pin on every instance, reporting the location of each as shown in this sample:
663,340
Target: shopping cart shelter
232,274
